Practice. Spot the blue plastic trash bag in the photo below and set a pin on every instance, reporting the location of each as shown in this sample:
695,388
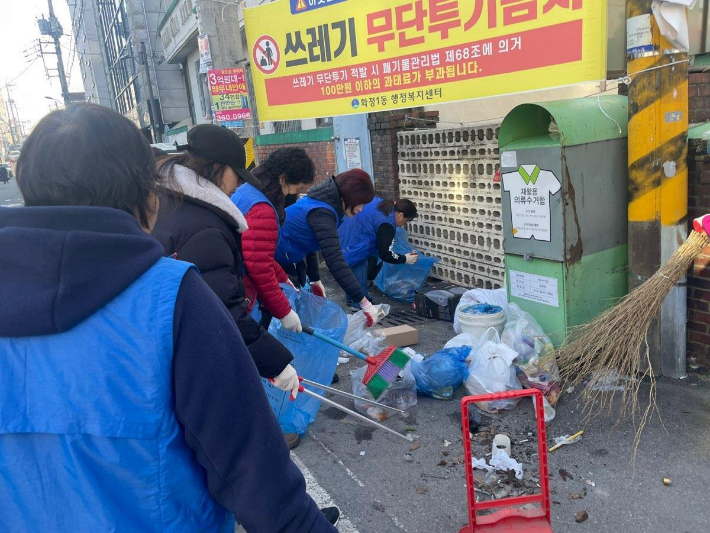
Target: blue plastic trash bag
400,282
441,374
482,309
312,358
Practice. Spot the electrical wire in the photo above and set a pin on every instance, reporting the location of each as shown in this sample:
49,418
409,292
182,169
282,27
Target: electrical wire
21,73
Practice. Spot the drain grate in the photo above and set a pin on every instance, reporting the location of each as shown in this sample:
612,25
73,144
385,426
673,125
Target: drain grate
403,318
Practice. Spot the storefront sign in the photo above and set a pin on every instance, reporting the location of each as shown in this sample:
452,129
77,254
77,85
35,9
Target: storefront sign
230,100
178,25
368,55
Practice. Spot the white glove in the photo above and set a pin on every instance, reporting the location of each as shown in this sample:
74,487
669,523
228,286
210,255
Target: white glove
288,381
370,311
318,289
292,322
412,258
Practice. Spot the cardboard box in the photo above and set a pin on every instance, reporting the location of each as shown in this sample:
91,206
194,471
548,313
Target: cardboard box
400,336
438,300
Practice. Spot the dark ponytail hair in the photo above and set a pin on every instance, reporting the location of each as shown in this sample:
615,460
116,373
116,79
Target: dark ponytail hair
295,164
404,206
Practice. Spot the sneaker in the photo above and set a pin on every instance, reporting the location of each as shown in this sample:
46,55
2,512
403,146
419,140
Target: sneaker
292,439
354,307
336,379
332,514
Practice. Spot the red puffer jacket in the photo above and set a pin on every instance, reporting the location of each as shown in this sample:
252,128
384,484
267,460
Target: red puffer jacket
258,248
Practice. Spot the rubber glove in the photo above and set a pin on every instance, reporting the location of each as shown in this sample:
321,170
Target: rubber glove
288,380
317,288
702,224
291,322
412,257
370,312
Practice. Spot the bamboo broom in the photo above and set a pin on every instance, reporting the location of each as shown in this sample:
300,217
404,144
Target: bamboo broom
615,343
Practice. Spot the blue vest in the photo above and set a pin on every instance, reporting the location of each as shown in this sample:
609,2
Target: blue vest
297,237
247,196
88,435
358,235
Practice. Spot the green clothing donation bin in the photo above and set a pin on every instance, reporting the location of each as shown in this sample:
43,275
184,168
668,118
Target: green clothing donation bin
564,173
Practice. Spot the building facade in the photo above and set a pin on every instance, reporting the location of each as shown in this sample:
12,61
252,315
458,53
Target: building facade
123,63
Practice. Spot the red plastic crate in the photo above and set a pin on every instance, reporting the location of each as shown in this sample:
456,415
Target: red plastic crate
508,518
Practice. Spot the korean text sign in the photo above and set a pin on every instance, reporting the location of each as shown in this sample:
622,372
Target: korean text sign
230,101
356,56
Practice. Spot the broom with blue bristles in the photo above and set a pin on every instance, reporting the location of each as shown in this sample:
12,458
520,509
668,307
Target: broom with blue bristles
383,367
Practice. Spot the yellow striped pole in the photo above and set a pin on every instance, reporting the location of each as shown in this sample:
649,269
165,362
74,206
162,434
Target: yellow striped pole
658,177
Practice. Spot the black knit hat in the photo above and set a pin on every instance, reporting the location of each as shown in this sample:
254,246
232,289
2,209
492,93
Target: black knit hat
221,145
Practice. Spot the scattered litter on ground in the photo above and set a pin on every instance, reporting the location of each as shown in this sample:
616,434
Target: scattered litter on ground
565,475
577,495
609,381
564,440
414,447
362,453
409,457
500,461
666,481
421,490
446,443
591,483
442,463
581,516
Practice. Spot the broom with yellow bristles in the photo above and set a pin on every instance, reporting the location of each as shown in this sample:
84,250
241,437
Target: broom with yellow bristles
614,345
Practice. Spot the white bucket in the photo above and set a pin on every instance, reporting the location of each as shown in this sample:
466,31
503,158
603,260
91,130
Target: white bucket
478,324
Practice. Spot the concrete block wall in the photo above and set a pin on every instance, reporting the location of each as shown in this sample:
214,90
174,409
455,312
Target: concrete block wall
452,176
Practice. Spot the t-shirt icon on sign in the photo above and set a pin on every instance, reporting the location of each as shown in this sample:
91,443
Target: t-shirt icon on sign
530,190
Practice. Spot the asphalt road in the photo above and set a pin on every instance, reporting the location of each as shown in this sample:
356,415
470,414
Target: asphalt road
385,490
9,194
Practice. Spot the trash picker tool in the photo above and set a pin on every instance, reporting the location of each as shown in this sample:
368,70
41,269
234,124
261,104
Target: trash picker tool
348,395
353,413
383,368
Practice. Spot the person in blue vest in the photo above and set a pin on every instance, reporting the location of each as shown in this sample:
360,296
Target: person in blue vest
370,235
284,172
312,225
129,401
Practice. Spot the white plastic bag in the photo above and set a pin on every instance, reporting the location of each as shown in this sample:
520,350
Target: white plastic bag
359,337
402,394
481,296
536,359
491,370
475,343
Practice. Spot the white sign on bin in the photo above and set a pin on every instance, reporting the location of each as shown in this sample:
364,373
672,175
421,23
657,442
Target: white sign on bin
539,289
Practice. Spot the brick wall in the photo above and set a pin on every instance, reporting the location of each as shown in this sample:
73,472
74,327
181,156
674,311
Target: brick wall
699,279
321,152
699,97
384,127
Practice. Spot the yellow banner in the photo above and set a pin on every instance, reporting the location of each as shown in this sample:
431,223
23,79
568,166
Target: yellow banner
313,58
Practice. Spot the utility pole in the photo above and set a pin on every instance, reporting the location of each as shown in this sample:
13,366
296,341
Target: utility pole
53,28
11,121
658,174
155,114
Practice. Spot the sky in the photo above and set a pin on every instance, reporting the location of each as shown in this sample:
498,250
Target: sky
19,32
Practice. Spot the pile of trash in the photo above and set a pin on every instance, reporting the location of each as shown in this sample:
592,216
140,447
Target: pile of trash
512,354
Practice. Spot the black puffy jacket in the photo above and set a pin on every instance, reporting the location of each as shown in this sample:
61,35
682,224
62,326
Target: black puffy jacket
203,228
324,225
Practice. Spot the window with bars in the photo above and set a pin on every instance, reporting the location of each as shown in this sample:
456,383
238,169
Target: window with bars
120,57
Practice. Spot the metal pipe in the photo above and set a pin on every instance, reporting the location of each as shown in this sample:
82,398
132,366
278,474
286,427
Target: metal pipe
348,395
356,414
